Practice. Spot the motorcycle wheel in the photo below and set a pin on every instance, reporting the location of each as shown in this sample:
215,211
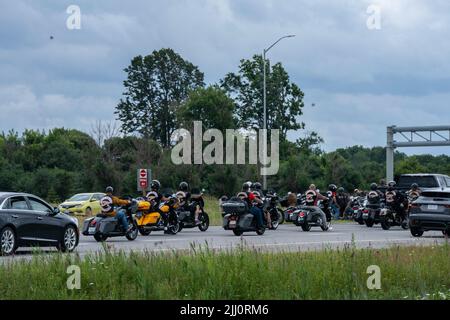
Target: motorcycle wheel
100,237
405,225
174,228
281,215
132,235
369,223
306,227
326,227
385,224
144,232
237,232
204,222
416,232
261,231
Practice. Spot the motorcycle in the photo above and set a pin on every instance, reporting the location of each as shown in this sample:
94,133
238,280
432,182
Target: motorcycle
372,209
104,226
307,216
271,201
394,214
150,219
356,207
237,217
186,214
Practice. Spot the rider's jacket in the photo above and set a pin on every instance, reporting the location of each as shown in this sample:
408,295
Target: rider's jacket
311,198
374,197
414,194
109,203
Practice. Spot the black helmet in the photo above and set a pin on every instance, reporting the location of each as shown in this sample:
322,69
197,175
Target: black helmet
332,187
341,190
246,186
184,186
257,186
392,184
414,186
155,185
374,187
109,189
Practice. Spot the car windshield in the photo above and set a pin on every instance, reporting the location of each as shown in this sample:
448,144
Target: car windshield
80,197
422,181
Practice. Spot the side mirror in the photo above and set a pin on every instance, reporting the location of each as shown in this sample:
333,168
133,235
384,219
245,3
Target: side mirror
55,211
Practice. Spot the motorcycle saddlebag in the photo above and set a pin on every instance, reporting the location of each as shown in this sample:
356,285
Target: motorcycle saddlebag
107,225
234,207
245,220
86,226
151,218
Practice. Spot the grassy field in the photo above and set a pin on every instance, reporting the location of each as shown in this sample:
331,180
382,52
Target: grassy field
406,273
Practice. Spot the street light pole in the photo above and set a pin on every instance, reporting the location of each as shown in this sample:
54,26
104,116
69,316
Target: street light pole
265,104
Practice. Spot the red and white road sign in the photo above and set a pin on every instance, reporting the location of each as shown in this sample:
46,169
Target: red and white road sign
143,173
143,178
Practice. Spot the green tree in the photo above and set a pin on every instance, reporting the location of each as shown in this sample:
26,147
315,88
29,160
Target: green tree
284,98
210,105
155,87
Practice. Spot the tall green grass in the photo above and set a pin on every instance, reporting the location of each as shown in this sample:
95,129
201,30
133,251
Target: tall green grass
406,273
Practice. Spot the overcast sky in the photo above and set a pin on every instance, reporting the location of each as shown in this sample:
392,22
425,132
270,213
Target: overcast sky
360,80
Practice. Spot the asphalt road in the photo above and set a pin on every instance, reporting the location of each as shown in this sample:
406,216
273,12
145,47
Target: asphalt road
287,238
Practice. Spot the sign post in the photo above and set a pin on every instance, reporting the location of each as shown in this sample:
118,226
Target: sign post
143,178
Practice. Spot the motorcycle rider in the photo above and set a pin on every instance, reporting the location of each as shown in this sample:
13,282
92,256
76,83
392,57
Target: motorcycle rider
342,200
253,201
157,198
109,202
197,203
332,189
312,197
414,192
257,188
395,199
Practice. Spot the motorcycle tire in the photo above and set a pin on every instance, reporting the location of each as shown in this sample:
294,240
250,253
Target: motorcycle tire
325,228
261,231
100,237
281,220
133,234
386,225
237,232
369,223
306,227
416,232
204,222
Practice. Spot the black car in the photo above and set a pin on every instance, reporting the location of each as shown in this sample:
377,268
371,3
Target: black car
431,211
27,220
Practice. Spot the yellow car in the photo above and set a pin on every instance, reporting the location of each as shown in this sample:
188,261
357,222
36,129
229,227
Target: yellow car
82,204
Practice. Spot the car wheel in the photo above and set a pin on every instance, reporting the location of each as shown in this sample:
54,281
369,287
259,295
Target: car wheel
416,232
88,212
8,242
69,240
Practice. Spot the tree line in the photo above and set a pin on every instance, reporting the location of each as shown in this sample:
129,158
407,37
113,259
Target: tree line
164,92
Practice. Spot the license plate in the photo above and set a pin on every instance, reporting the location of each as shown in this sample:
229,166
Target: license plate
365,215
232,224
432,207
91,230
